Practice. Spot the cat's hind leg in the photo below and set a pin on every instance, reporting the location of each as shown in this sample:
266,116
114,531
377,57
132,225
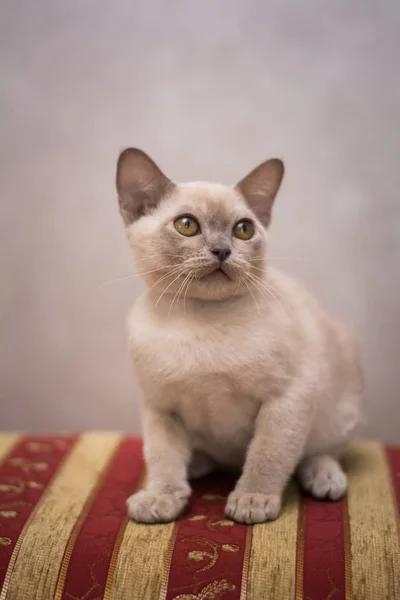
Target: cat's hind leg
323,477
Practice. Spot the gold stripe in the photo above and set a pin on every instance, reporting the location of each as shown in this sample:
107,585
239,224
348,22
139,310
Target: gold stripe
17,546
114,560
347,552
143,576
7,443
375,556
43,545
141,560
115,553
273,556
167,564
246,564
78,526
300,551
393,494
14,556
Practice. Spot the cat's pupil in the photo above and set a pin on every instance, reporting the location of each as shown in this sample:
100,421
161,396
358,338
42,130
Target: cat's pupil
186,222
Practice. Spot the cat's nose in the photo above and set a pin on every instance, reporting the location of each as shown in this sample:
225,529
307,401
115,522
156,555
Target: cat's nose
221,253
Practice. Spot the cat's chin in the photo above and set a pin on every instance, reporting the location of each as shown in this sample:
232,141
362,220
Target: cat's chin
214,287
218,284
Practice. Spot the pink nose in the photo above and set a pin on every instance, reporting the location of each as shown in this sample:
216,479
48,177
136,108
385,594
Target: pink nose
221,253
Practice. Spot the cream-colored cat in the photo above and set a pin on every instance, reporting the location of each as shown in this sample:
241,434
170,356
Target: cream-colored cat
238,363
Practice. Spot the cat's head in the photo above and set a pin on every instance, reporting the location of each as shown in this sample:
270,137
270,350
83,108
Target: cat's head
202,240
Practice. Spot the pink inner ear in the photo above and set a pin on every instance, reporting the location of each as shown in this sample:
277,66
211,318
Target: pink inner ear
260,187
141,185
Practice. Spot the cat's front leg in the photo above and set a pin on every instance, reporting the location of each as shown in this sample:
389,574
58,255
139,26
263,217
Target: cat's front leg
167,454
281,430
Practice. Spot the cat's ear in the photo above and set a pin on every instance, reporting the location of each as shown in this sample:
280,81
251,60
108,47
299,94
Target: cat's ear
260,187
141,185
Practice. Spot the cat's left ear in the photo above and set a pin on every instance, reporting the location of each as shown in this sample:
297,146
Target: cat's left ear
260,187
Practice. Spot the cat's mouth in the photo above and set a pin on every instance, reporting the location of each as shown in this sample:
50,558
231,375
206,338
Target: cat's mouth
216,274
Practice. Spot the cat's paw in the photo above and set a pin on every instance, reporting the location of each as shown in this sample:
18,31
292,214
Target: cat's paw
149,507
323,477
252,508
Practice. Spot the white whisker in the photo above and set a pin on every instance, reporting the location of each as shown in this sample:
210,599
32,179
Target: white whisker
165,276
168,286
263,284
260,289
252,295
258,269
267,257
269,285
238,287
178,293
135,275
186,291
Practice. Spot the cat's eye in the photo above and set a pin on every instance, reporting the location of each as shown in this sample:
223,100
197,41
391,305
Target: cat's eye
187,226
244,230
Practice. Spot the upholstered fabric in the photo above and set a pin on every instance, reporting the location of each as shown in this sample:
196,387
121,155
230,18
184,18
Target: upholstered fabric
64,534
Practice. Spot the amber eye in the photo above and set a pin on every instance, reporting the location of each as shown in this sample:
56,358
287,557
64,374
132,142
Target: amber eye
187,226
244,230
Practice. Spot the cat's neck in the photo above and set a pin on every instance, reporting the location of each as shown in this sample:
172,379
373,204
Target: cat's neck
207,310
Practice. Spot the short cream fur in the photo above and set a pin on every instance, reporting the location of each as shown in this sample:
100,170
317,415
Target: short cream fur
239,365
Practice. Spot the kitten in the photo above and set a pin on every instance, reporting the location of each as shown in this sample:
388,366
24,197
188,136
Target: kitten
239,365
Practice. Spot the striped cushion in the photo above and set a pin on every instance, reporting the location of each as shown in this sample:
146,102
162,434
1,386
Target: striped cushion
64,534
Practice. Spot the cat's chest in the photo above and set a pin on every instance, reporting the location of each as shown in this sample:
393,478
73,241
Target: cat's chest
180,351
219,418
212,377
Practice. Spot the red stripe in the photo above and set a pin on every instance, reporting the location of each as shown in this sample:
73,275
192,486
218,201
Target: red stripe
88,566
24,476
393,458
209,549
324,550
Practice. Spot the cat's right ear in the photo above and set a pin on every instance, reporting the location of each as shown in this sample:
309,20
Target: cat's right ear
141,185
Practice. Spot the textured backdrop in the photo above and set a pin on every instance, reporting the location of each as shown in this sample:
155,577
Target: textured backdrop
209,90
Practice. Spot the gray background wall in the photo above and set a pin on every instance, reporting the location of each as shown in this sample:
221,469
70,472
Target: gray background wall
208,89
